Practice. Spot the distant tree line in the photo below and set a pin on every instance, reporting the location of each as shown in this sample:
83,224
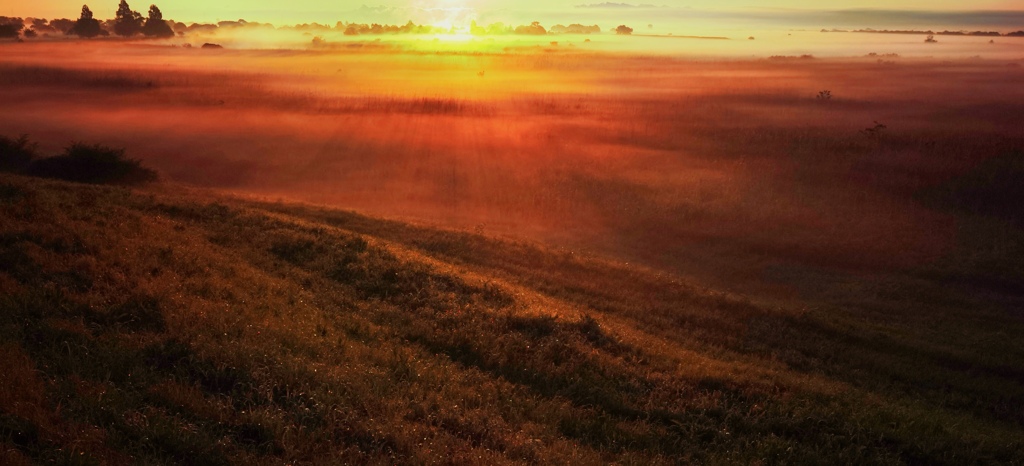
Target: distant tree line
130,23
11,27
352,29
355,29
929,32
575,29
126,23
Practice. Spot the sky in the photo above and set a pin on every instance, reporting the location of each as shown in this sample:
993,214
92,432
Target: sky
807,13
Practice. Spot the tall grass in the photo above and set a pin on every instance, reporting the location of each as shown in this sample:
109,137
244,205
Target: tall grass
32,75
172,326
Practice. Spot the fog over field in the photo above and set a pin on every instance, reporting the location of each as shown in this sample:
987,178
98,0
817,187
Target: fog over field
644,155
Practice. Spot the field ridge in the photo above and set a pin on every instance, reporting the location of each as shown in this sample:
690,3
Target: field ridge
162,325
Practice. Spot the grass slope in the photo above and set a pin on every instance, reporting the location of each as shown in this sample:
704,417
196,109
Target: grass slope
155,326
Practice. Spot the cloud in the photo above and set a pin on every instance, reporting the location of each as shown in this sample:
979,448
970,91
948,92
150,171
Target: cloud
1003,21
957,19
612,5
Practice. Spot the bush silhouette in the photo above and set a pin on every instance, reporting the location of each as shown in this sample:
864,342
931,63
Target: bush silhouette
95,164
16,154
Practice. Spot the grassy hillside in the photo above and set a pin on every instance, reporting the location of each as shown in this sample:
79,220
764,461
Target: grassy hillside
159,325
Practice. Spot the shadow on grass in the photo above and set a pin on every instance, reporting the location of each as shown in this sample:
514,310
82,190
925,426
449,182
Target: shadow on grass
994,188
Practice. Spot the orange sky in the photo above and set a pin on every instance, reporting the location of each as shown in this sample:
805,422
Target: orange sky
297,9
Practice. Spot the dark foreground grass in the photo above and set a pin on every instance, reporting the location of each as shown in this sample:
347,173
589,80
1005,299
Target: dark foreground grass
155,327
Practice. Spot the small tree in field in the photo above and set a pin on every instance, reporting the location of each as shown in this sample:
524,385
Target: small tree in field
155,25
127,23
623,30
86,26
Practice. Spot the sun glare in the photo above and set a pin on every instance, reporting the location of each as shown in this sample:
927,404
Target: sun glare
452,15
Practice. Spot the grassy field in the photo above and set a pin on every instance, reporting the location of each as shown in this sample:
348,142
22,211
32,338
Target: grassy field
571,258
156,325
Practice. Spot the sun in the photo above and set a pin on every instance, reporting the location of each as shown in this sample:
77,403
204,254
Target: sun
452,15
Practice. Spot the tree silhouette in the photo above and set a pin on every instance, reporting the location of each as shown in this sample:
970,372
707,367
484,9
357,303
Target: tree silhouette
623,30
10,27
155,25
534,28
86,26
127,23
62,25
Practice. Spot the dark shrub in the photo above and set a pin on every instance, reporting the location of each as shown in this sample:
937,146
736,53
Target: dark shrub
16,154
96,164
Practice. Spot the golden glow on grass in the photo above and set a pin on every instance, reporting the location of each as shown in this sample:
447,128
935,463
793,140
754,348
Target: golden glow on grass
459,36
258,320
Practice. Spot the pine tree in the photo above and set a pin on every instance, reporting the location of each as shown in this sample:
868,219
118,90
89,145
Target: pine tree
86,26
155,24
127,23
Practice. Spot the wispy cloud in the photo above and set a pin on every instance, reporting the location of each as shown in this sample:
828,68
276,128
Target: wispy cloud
778,17
612,5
